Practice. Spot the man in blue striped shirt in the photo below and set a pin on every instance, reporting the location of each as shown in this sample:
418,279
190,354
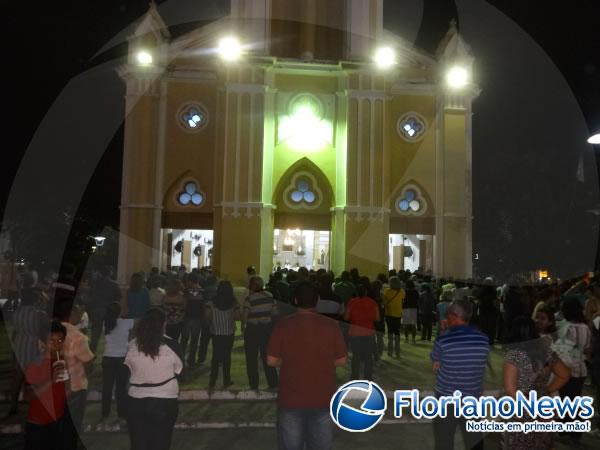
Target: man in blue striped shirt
459,358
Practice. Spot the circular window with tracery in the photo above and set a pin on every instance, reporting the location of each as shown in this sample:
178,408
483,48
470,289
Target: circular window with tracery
191,195
411,127
192,117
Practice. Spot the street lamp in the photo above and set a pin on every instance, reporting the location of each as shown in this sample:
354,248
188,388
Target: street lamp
98,240
595,139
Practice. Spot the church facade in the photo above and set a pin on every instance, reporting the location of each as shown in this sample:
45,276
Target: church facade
296,133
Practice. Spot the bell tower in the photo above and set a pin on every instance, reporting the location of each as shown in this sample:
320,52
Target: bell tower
312,29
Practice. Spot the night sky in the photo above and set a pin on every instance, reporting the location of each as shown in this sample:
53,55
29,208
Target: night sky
538,66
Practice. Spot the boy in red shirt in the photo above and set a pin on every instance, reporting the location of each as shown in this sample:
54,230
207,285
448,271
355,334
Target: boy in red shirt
47,385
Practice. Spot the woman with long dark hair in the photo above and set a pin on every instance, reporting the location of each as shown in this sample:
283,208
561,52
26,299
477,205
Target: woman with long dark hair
114,372
153,385
222,313
528,364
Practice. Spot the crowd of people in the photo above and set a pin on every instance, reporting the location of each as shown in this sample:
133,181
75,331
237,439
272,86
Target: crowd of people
160,328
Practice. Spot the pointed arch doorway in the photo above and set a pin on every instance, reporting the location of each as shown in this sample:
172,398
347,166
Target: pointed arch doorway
302,222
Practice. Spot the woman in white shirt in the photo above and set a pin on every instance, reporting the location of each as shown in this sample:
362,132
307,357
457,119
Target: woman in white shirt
114,372
153,385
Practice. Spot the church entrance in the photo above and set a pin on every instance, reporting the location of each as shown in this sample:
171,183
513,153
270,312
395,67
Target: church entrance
189,248
410,252
295,248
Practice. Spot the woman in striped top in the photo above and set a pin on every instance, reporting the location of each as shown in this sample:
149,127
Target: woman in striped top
222,313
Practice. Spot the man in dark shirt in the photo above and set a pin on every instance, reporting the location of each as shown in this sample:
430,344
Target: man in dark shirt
104,292
194,318
307,347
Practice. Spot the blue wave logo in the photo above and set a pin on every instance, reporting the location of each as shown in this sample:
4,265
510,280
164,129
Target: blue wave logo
353,418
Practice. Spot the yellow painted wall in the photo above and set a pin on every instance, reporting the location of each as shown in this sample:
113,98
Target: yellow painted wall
237,246
190,152
367,246
140,159
412,161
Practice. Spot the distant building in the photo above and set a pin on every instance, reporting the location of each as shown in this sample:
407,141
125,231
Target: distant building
296,133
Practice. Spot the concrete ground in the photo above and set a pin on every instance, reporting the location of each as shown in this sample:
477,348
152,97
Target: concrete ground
248,423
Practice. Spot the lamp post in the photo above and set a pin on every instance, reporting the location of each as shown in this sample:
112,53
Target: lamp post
595,141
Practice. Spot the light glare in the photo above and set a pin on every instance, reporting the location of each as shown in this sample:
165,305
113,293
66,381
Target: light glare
144,58
385,57
230,49
457,77
304,130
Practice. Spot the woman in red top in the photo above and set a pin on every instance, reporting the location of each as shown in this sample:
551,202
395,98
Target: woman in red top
362,313
47,380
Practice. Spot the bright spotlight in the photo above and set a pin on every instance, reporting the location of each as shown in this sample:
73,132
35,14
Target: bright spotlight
144,58
230,49
457,77
595,139
385,57
304,129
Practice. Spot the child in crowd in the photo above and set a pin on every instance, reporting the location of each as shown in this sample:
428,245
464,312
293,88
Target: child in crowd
48,381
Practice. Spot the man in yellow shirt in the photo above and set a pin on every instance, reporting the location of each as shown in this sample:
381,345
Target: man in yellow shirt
393,297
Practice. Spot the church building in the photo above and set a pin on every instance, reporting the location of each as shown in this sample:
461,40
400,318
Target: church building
296,134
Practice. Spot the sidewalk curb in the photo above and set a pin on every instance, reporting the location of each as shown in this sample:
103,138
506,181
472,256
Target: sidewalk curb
203,394
186,426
